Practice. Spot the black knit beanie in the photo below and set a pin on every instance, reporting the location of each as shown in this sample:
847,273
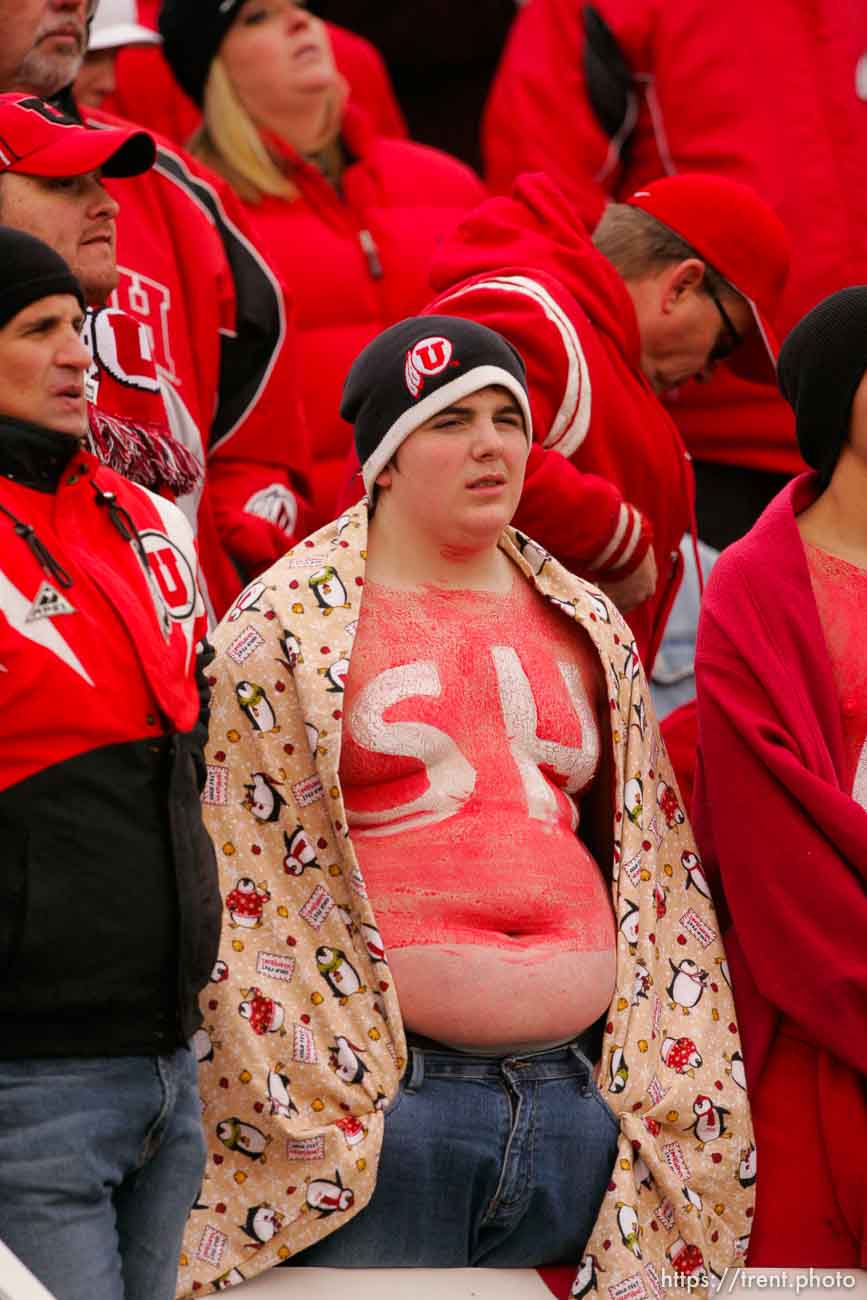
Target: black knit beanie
820,366
30,270
417,368
192,32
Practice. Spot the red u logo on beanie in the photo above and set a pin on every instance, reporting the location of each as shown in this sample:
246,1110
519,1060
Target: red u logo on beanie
429,357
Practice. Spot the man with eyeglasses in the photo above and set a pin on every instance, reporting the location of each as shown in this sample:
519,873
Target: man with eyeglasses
675,280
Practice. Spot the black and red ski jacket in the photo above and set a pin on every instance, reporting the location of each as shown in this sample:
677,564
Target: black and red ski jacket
109,907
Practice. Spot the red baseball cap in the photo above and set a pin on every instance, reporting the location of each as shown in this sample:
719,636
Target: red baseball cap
740,236
37,139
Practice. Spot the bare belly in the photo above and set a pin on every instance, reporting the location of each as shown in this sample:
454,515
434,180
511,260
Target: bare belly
495,998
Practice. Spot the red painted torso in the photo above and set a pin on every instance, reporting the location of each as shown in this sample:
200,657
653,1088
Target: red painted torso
471,733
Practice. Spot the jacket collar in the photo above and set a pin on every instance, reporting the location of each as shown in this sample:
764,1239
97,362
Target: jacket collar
33,456
357,134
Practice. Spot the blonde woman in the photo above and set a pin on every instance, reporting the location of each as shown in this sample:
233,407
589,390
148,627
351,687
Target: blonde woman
350,219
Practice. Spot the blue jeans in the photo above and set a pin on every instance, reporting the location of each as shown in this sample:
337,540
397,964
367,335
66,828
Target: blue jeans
100,1162
485,1163
673,680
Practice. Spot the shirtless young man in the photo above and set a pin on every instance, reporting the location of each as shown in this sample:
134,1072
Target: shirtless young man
420,798
457,830
471,733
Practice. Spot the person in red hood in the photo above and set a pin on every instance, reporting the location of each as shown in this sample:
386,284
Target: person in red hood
605,96
780,801
672,282
351,219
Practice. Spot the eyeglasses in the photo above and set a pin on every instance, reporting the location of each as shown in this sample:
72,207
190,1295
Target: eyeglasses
730,340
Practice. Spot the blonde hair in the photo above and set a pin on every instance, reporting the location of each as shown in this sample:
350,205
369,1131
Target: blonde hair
229,142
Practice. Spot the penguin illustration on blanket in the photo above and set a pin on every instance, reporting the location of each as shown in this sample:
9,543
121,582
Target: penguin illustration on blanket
328,1197
263,799
262,1223
246,1139
338,972
277,1085
255,706
687,984
328,589
344,1059
710,1121
300,855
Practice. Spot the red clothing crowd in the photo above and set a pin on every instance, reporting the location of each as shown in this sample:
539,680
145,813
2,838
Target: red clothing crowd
256,264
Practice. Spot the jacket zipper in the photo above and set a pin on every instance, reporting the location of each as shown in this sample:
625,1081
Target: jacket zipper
320,193
39,550
371,253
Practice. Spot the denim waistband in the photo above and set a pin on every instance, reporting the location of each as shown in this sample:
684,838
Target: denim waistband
426,1057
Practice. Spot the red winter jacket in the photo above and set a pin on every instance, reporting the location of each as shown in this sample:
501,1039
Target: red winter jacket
356,263
608,475
222,338
109,908
772,94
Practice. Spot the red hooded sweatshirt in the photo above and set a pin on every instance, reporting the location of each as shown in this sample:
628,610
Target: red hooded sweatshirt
771,94
608,475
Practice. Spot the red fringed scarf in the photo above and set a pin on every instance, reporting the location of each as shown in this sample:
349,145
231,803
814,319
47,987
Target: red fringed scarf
129,423
145,454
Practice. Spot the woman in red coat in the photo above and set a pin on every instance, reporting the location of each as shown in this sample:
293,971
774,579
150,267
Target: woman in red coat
350,220
779,807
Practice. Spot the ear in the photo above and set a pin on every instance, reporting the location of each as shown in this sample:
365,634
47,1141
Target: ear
681,279
383,478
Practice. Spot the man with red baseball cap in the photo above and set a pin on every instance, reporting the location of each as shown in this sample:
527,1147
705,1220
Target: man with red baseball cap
679,278
739,237
40,145
51,186
32,145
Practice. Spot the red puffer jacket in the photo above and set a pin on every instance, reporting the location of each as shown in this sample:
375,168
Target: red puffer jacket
606,97
355,263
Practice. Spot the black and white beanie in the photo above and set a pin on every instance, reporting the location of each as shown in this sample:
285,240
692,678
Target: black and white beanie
416,369
30,271
821,363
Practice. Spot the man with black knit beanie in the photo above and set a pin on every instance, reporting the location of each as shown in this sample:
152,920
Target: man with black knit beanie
109,912
432,750
781,798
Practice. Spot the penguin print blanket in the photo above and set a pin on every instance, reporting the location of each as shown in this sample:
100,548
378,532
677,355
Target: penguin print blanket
303,1046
